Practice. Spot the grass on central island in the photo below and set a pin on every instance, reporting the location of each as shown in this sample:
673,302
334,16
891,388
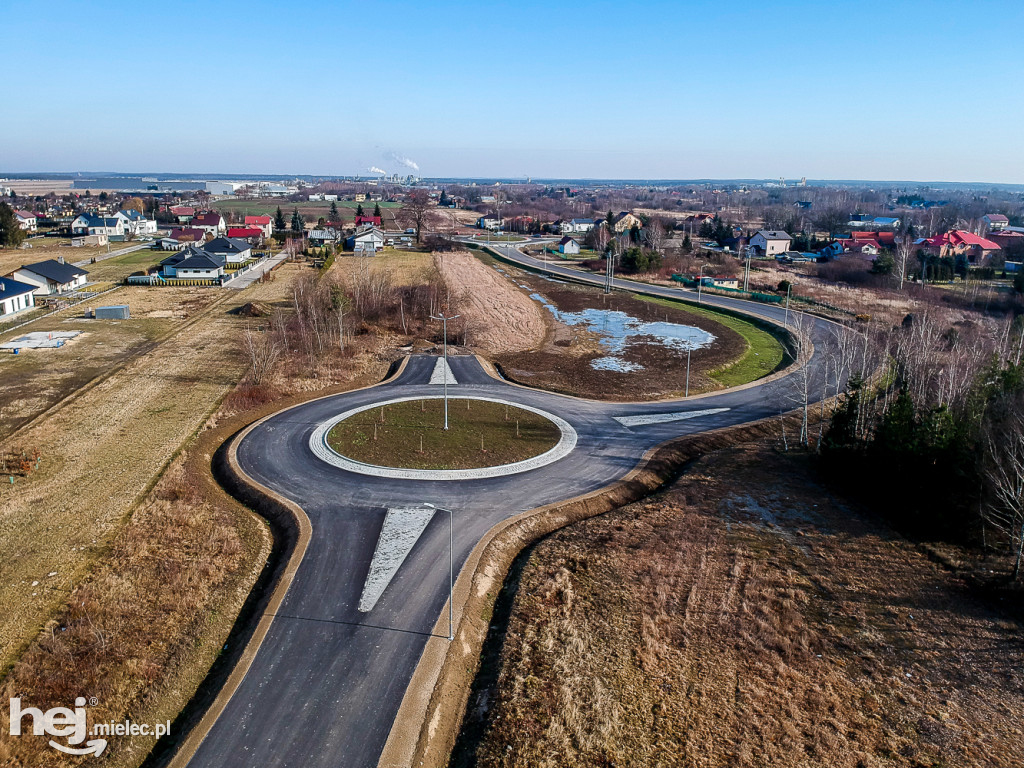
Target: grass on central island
410,435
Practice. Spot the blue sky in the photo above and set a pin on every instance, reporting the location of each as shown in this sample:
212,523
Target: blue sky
865,90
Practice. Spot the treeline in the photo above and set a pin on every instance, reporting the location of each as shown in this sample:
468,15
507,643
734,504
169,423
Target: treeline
935,439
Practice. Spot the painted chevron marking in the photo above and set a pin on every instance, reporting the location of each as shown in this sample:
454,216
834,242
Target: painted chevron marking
665,418
442,369
402,529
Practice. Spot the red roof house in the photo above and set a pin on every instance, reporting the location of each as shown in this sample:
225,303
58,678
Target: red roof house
372,220
245,232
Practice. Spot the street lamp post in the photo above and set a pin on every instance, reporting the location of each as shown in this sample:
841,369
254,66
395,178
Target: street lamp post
789,290
689,349
700,281
451,568
444,318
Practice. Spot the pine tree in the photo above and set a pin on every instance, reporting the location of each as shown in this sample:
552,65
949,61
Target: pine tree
359,210
334,212
279,223
376,210
298,223
11,233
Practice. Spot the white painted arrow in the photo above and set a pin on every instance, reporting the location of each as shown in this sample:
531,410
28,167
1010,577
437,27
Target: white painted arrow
442,369
402,529
665,418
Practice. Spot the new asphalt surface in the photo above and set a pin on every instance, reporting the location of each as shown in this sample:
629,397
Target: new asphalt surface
326,684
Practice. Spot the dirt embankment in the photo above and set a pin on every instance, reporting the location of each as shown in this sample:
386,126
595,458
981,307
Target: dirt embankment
746,617
501,318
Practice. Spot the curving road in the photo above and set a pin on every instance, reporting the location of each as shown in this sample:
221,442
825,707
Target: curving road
326,684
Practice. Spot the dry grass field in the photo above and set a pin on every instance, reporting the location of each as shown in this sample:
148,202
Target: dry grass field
103,449
747,617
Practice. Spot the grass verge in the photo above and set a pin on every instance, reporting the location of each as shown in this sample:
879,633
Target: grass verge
765,352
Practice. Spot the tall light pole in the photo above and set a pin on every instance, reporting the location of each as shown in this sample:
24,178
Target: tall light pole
451,568
746,272
700,281
789,290
689,349
445,319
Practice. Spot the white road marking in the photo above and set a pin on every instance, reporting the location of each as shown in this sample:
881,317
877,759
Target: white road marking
442,369
402,529
318,445
665,418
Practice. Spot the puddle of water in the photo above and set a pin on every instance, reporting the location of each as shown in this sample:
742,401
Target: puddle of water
615,364
617,330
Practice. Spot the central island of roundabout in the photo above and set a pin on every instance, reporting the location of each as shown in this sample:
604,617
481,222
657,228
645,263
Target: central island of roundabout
364,596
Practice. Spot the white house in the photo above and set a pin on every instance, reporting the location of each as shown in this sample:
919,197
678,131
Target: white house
51,276
364,239
26,220
15,296
211,222
568,246
489,221
191,263
135,223
995,221
80,241
771,242
577,226
232,250
91,224
266,223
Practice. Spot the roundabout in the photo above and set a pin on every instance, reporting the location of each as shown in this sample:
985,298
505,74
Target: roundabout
483,438
362,600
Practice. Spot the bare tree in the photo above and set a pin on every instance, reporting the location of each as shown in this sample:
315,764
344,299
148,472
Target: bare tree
1004,472
263,352
654,235
417,212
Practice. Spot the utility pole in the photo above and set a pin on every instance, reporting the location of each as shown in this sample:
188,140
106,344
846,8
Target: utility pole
746,273
609,271
451,569
700,281
789,290
444,319
689,349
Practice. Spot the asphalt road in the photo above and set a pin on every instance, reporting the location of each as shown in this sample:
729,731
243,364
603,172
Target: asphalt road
328,680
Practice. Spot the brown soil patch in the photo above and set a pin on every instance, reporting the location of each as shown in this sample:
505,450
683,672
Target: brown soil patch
501,318
563,362
747,617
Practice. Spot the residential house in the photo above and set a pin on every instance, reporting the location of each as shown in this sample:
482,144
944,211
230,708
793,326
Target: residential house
771,242
367,221
371,237
192,263
15,296
93,224
26,220
254,235
862,220
135,223
568,246
489,221
186,235
719,281
959,242
51,276
1006,239
233,251
994,222
625,221
183,213
211,222
577,226
266,223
